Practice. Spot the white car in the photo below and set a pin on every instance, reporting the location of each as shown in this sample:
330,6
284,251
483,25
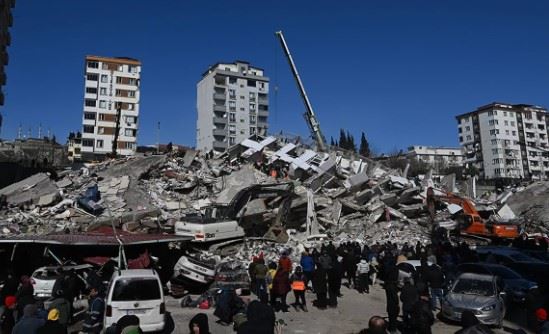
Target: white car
210,225
44,278
136,292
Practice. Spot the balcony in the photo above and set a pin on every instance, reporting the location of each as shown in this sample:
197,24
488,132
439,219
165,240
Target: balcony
263,113
219,107
220,81
220,120
219,96
220,132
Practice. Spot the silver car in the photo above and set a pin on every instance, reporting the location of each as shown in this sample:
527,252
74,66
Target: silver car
477,293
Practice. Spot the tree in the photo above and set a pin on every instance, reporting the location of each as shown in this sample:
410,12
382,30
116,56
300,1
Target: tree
332,143
342,139
350,142
364,149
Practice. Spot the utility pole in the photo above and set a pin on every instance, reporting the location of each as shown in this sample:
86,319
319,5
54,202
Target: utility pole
19,131
40,131
158,138
116,130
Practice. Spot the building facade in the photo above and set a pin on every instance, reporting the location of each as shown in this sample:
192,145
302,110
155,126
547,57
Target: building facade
504,140
6,21
232,105
438,158
111,101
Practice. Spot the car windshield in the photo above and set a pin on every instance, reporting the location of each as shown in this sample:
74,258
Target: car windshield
470,286
505,273
45,274
130,289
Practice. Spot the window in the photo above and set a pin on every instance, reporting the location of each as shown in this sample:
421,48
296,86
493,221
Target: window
252,96
89,128
132,82
459,130
232,117
104,78
87,142
514,133
252,130
100,130
101,117
89,115
252,118
506,122
130,132
512,123
494,141
507,132
468,137
505,113
93,64
242,132
242,120
242,97
467,128
131,93
129,145
231,140
131,119
90,103
261,85
92,77
252,106
136,289
120,68
99,143
232,130
232,80
460,139
103,104
132,69
105,66
91,90
493,121
130,106
495,151
103,91
232,105
232,94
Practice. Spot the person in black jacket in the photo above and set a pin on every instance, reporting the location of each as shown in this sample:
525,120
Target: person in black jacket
260,319
391,294
409,297
436,283
421,316
199,324
320,287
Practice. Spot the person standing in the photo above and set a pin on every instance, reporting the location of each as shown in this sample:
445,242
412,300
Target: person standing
308,265
298,280
320,286
94,317
29,323
436,283
409,298
391,293
421,316
52,325
61,304
363,272
7,320
260,274
199,324
285,262
281,287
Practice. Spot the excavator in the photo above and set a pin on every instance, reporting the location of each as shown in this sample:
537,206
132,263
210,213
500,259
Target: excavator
470,221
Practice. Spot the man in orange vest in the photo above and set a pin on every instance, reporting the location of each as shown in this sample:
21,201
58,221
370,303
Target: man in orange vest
298,286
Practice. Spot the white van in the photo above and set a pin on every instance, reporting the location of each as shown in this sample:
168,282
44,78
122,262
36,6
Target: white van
136,292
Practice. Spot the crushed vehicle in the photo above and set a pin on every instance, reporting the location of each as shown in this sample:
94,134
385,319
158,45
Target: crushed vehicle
192,272
43,278
481,294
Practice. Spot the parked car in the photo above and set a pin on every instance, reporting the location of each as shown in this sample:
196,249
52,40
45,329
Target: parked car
534,271
481,294
503,255
136,292
538,254
515,286
44,278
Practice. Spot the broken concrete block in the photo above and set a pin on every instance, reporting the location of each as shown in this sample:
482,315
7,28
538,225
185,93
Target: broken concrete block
390,199
355,181
364,196
506,213
48,200
189,157
64,183
175,205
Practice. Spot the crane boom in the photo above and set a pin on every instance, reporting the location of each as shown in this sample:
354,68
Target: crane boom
312,122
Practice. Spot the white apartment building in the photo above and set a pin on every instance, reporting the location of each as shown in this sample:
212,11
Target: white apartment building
437,157
111,91
506,141
232,105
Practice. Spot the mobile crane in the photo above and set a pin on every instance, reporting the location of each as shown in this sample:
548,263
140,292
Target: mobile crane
312,122
470,221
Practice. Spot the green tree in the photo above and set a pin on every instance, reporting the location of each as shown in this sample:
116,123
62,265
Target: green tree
364,149
342,139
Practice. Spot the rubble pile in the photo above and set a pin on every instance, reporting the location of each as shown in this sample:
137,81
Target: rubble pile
338,194
532,204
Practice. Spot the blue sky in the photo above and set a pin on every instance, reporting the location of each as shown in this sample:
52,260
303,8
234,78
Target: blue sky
397,70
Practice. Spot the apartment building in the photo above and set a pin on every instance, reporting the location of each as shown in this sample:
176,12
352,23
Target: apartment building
111,100
506,140
232,105
437,157
6,21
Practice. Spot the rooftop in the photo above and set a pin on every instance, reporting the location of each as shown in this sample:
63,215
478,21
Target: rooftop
118,60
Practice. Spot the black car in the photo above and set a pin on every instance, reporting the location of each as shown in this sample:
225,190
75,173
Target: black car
534,271
515,285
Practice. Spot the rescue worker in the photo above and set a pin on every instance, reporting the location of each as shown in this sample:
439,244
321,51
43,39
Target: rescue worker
308,265
298,280
260,274
409,297
94,317
52,325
